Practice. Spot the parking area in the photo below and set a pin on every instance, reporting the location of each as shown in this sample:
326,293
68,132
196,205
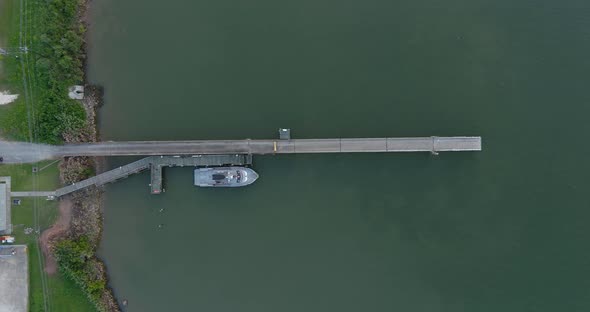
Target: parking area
14,278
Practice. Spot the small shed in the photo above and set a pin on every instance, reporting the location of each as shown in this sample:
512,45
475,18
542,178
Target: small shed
284,134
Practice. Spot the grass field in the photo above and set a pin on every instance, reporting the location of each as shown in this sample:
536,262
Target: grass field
8,20
11,72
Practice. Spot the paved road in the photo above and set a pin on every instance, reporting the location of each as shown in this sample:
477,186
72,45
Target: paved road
20,152
24,152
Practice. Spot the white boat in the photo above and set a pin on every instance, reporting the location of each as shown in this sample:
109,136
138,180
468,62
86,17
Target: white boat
225,177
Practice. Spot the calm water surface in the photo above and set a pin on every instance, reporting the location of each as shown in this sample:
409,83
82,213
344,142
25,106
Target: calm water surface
501,230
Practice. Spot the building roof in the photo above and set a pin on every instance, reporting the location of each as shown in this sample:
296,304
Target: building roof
3,206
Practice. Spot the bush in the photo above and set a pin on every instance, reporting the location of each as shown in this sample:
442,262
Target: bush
59,66
76,261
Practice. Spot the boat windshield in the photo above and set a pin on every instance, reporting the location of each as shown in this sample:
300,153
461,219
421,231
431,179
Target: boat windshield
218,176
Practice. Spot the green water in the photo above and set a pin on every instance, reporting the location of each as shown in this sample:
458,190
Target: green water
501,230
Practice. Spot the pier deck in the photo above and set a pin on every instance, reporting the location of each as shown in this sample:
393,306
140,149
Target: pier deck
107,177
261,147
21,152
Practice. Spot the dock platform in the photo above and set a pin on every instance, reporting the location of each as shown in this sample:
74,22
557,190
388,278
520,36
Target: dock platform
157,164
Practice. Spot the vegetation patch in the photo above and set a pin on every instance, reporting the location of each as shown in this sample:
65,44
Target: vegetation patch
77,262
52,65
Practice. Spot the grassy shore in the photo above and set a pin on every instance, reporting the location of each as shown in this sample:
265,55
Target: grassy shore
52,32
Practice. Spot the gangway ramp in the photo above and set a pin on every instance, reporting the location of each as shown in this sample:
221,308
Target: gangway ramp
107,177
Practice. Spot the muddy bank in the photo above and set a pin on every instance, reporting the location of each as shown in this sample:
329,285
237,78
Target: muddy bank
58,230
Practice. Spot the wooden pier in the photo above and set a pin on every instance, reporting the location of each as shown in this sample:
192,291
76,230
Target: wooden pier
262,147
21,152
107,177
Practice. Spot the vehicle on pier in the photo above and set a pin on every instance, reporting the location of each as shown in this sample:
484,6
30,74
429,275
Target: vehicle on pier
224,177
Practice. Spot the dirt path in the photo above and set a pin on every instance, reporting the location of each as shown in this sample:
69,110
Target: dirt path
59,228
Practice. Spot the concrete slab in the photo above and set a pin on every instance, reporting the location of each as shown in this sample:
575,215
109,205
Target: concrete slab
14,278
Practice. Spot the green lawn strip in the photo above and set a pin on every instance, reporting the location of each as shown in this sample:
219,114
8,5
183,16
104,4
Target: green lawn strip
22,218
6,15
8,26
9,31
22,176
13,117
67,296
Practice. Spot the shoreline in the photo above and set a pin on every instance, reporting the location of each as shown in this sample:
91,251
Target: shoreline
57,119
81,214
